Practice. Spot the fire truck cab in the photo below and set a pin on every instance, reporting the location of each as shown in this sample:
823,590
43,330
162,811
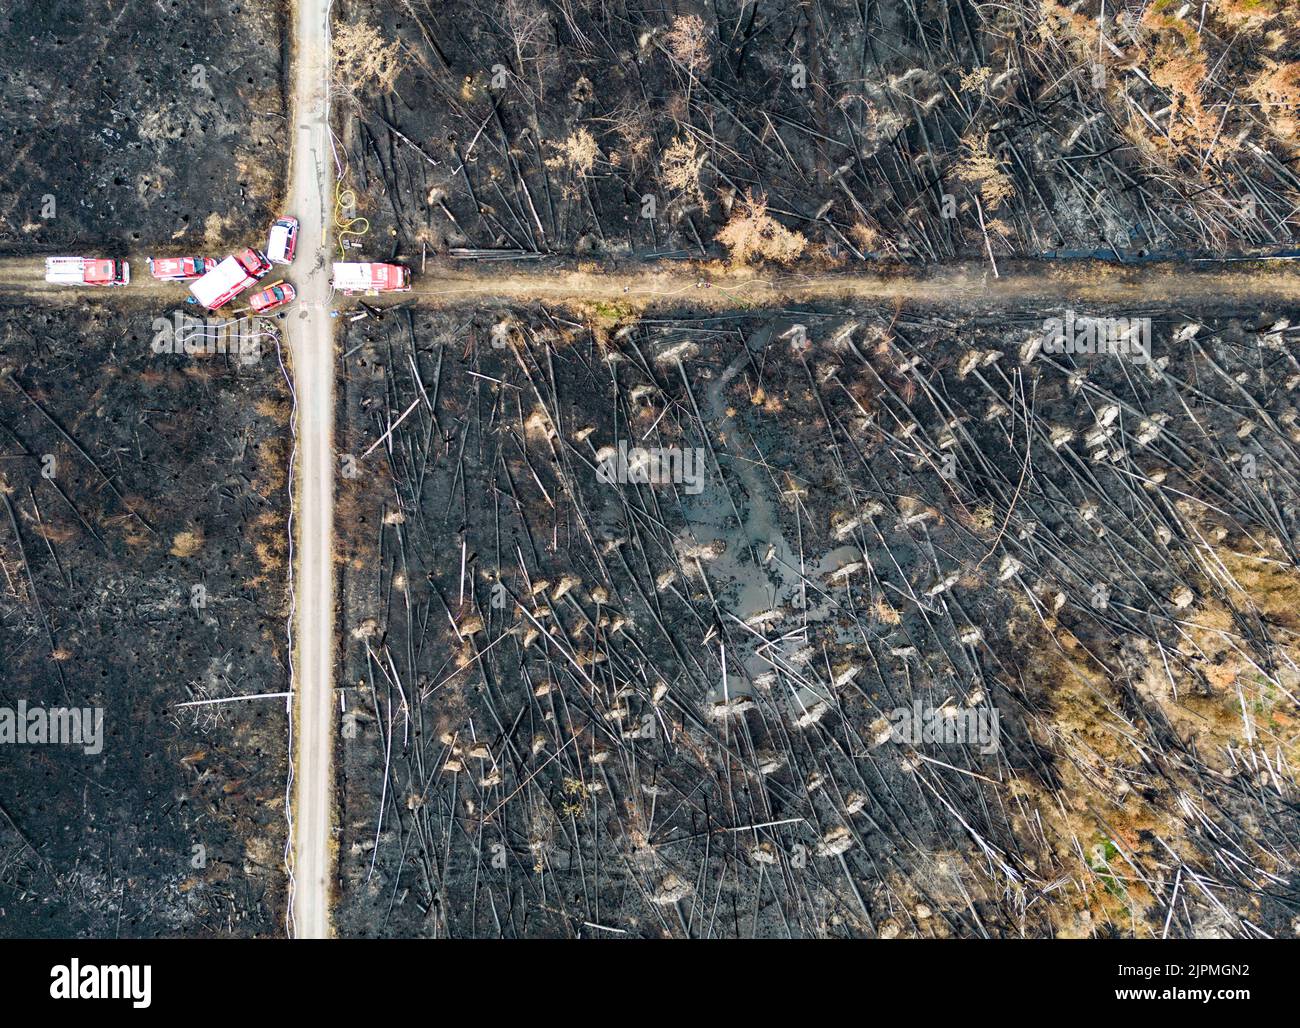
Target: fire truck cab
180,269
230,278
87,271
350,278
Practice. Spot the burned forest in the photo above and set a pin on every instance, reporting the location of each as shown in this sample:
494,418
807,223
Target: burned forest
686,617
139,125
585,698
832,132
627,470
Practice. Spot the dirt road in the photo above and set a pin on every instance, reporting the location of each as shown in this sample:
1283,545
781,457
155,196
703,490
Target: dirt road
310,331
1022,284
25,276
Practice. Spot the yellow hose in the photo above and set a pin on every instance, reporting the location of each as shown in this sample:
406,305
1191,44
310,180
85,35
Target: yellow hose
343,200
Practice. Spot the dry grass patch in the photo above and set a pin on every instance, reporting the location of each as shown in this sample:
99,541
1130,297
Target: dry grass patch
751,233
364,60
187,544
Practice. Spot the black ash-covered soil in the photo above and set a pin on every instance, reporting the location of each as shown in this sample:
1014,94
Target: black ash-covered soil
149,497
917,131
128,126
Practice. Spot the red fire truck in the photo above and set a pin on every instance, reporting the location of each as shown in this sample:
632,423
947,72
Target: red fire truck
180,269
371,278
87,271
272,298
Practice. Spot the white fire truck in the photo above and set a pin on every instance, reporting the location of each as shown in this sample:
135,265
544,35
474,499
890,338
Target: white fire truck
230,278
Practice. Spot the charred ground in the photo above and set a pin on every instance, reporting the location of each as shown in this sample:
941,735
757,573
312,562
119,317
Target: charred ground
152,124
133,478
